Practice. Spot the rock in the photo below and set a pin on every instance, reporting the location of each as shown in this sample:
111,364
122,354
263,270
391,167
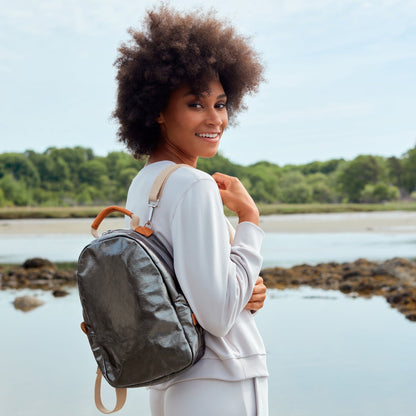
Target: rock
37,263
402,269
37,273
27,303
411,316
58,293
393,279
345,288
348,275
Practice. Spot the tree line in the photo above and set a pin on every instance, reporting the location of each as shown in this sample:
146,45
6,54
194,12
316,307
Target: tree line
76,176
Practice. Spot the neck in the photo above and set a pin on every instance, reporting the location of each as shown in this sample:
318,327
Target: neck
166,153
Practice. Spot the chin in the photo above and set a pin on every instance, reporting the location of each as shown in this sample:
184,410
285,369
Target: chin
207,155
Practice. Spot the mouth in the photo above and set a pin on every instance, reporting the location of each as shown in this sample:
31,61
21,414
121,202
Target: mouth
209,137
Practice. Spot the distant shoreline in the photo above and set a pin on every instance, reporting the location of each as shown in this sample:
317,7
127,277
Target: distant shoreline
265,210
398,222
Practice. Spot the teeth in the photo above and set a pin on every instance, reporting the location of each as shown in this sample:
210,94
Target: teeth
209,136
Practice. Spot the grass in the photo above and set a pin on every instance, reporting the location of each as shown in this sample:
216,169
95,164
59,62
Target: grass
51,212
265,209
269,209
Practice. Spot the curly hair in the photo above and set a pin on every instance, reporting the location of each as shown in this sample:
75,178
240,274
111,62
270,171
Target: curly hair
176,49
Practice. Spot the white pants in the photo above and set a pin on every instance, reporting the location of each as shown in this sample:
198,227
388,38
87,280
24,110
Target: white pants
209,397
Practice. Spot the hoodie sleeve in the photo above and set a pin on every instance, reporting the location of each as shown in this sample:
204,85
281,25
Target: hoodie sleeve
217,278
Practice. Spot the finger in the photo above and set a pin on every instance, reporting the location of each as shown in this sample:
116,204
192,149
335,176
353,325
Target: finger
220,176
259,298
259,289
259,281
223,184
257,301
254,306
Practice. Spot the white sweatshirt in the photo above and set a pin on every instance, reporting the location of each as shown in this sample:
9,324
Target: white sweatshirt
217,278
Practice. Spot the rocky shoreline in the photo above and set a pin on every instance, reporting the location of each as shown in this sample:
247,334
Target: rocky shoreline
36,273
394,279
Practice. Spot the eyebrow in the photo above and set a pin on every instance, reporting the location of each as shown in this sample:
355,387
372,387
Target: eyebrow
201,95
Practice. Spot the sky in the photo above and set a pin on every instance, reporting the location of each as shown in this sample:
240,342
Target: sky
340,76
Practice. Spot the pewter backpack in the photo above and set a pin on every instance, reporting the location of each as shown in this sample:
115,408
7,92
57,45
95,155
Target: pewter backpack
139,325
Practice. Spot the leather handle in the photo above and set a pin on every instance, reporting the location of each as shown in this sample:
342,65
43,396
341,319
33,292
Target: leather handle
121,395
106,211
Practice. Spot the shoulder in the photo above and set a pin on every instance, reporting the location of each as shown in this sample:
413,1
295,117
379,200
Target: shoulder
189,188
187,176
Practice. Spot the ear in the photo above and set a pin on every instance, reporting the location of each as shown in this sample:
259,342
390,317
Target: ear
160,119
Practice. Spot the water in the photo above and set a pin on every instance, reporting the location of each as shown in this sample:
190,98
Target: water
278,249
338,356
287,249
328,354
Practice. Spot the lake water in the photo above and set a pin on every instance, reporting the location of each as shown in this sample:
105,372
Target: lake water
278,249
328,355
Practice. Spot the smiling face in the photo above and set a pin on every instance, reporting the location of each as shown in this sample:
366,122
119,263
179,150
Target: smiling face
192,124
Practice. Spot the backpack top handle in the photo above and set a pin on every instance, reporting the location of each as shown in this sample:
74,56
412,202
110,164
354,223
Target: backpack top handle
153,201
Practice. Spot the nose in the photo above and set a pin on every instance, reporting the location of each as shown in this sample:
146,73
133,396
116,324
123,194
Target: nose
214,118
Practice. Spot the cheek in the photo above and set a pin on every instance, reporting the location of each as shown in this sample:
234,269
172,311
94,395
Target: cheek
175,125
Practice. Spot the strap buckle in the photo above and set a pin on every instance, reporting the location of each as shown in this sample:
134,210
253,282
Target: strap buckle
152,205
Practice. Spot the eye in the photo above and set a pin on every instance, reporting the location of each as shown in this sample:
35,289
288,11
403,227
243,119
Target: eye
221,105
195,105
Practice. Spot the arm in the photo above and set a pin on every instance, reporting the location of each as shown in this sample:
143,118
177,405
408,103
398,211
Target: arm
217,279
258,297
238,200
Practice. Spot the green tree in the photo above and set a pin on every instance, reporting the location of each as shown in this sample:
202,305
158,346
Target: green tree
20,167
321,192
93,172
361,171
54,173
395,171
300,193
219,163
264,180
293,188
379,192
3,200
15,191
84,195
409,170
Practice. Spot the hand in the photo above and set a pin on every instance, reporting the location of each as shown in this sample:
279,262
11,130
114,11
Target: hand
258,297
236,198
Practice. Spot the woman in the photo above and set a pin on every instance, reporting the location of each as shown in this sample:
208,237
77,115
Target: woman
179,82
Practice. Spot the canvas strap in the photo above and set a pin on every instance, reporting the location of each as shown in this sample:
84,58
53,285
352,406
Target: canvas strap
159,183
157,189
121,395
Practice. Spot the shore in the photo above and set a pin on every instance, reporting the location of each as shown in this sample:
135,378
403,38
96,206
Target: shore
376,222
394,279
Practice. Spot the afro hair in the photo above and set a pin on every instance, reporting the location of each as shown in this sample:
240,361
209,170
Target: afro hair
175,49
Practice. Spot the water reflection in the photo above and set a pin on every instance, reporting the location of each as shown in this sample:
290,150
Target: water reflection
328,355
